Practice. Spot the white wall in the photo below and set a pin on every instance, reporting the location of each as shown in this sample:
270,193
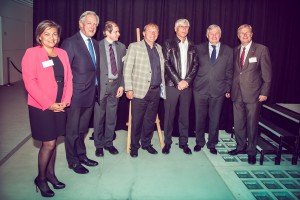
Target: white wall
16,21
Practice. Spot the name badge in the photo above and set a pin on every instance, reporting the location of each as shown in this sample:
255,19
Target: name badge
48,63
253,60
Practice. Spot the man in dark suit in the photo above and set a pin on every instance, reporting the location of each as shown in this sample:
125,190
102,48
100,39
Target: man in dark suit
212,85
250,87
83,52
112,54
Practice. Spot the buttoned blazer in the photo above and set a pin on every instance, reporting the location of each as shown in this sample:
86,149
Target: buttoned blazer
214,79
254,78
121,52
83,69
40,80
137,69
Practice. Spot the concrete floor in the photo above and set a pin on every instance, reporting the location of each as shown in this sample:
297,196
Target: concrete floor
175,176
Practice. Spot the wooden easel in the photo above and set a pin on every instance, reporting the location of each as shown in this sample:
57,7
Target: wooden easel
157,122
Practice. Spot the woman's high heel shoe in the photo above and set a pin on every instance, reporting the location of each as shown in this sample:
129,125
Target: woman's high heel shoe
43,187
56,183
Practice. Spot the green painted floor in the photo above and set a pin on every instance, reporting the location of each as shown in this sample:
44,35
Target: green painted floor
154,177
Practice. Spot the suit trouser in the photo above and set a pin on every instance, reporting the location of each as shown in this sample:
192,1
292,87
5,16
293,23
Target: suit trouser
184,98
144,113
246,124
105,117
78,119
204,104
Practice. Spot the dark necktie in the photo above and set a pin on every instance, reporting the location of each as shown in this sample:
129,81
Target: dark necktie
91,50
113,64
213,55
242,58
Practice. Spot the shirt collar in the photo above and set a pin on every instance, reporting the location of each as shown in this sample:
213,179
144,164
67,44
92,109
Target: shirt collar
83,36
247,46
217,45
107,43
147,45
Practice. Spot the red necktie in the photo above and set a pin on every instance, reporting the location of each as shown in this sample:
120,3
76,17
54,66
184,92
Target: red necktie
114,69
242,58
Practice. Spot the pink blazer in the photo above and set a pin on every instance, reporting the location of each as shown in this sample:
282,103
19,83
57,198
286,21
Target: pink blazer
40,82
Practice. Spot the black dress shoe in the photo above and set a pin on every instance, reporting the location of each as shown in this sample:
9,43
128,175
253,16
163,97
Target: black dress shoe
88,162
112,150
42,185
197,148
166,149
99,152
79,169
251,160
150,149
134,152
185,149
213,151
55,182
236,152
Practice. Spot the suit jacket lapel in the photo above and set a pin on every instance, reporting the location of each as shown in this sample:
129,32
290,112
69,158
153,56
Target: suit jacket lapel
237,57
85,50
249,55
103,57
206,52
159,51
119,59
146,54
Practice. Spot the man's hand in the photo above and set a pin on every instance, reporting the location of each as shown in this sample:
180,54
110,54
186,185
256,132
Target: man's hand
129,94
262,98
182,85
227,95
120,92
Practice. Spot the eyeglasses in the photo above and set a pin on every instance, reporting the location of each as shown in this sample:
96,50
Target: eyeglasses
245,33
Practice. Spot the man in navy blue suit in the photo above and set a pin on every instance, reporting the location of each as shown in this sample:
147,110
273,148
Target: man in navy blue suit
83,52
212,85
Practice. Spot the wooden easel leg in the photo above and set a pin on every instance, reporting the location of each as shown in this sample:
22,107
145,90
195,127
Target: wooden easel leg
159,132
129,129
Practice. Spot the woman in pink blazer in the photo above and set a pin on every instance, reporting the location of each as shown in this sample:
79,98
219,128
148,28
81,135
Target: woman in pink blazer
48,80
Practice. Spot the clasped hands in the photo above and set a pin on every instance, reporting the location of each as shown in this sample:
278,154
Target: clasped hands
58,107
182,85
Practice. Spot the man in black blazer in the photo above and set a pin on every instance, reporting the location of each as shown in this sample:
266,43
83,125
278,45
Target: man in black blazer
112,55
251,86
83,52
212,85
181,65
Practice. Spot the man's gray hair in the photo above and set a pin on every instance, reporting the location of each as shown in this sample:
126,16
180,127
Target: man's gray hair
181,22
212,27
83,15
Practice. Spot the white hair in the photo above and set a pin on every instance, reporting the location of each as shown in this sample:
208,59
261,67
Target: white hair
212,27
181,22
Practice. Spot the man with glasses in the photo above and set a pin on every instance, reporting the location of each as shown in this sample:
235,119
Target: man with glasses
250,87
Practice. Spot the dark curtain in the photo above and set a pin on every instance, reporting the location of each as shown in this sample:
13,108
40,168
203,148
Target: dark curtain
275,24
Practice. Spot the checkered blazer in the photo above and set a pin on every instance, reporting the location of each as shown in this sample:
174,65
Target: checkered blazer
137,69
